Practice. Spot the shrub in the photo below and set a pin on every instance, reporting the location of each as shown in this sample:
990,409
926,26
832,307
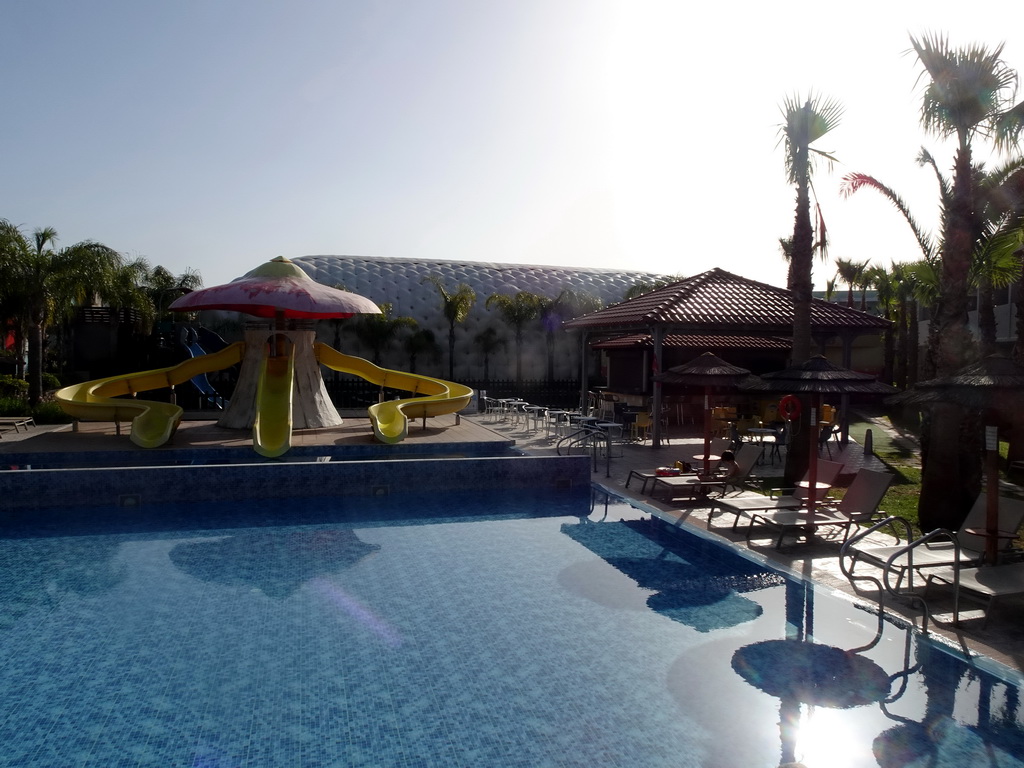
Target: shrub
13,387
50,382
50,413
13,406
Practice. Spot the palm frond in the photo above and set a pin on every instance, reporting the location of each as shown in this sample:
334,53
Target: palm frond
852,182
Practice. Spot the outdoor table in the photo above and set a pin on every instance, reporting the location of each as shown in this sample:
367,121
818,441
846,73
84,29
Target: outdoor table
760,433
807,484
710,457
555,421
612,428
533,414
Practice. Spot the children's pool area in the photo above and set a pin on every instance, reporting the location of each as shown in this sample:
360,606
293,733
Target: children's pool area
559,627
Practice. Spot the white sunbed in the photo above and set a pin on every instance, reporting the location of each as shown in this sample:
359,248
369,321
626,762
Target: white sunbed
749,503
858,506
967,550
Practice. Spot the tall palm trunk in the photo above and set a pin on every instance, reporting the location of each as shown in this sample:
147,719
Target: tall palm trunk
803,258
519,357
451,352
889,354
986,316
913,343
902,327
946,487
35,359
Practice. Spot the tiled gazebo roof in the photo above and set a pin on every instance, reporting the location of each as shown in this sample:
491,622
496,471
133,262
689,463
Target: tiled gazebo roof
695,341
717,301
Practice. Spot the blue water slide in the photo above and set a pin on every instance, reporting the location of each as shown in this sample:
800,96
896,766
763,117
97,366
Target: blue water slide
190,342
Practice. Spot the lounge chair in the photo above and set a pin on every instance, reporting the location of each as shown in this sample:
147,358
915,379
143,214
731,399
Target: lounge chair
937,549
857,507
749,503
985,583
17,422
746,457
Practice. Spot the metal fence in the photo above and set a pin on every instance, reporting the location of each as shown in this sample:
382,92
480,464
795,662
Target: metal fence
358,393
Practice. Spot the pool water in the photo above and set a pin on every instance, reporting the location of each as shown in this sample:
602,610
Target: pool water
541,630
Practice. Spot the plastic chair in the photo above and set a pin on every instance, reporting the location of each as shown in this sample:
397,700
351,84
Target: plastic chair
641,427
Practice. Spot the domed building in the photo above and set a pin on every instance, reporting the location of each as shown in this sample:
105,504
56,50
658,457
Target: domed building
402,283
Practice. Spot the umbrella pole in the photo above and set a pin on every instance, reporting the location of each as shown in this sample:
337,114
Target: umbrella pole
812,459
707,431
992,494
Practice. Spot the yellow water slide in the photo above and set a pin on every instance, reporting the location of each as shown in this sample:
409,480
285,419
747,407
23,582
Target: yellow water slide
390,420
272,429
153,423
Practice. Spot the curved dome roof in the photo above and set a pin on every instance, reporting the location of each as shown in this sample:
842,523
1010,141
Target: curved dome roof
399,281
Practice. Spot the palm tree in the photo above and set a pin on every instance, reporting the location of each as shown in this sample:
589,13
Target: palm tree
420,342
884,282
378,332
456,308
803,124
46,284
516,311
488,342
565,306
968,92
851,273
164,287
641,287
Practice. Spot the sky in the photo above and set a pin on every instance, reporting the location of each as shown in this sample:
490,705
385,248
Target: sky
628,134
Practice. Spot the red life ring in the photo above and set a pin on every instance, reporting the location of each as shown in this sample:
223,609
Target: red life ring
789,407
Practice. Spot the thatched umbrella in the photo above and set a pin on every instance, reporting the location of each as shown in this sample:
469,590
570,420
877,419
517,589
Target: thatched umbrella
711,372
994,385
817,377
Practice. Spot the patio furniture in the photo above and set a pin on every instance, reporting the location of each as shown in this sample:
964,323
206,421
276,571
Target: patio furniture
750,503
689,485
986,584
18,422
857,507
640,430
935,549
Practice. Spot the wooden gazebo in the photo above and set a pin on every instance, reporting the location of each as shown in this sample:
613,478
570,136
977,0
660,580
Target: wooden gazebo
717,303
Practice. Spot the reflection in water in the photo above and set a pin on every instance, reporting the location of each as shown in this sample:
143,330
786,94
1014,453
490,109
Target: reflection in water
37,572
691,585
940,739
821,675
275,563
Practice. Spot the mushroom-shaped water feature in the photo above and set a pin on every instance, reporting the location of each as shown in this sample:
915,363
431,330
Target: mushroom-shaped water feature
279,386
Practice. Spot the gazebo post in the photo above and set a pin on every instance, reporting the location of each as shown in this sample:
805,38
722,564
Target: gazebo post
584,400
659,335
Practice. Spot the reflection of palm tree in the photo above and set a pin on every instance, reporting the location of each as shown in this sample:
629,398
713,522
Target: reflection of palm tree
275,563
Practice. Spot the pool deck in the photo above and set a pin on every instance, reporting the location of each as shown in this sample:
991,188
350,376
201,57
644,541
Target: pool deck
1002,639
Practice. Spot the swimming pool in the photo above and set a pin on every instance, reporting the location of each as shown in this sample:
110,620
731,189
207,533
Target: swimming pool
474,630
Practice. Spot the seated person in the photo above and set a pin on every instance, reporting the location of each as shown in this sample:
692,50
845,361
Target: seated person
727,468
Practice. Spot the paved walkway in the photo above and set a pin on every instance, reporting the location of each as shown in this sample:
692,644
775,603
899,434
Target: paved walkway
1002,639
